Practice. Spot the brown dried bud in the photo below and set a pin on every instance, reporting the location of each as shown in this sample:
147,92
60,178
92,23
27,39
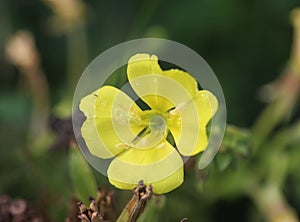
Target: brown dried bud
96,217
100,209
17,210
82,207
17,207
93,206
21,51
141,196
83,218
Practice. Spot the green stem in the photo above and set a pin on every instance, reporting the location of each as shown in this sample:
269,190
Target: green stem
77,48
287,88
272,204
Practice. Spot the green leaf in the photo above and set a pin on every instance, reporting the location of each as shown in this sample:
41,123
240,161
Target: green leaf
223,161
237,140
83,180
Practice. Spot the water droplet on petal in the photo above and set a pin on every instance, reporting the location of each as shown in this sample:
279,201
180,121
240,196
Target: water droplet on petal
103,103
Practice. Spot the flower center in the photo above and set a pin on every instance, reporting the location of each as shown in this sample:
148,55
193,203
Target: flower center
157,122
153,135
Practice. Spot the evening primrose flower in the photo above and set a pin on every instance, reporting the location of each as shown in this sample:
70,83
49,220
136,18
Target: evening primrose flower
116,127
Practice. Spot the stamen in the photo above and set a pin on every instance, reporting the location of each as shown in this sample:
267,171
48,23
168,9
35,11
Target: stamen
174,117
122,145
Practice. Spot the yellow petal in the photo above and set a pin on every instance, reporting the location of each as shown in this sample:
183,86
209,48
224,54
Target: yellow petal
162,167
187,122
142,64
161,90
159,187
89,131
187,81
112,121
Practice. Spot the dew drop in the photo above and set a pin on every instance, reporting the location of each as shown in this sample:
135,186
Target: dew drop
103,103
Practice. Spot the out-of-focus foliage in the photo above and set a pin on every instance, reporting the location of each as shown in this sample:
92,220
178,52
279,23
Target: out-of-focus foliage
81,175
247,43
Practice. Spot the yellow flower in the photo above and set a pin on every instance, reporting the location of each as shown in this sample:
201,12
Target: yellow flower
116,127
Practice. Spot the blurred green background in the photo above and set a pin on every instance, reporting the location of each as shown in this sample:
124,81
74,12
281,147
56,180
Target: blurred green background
247,44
